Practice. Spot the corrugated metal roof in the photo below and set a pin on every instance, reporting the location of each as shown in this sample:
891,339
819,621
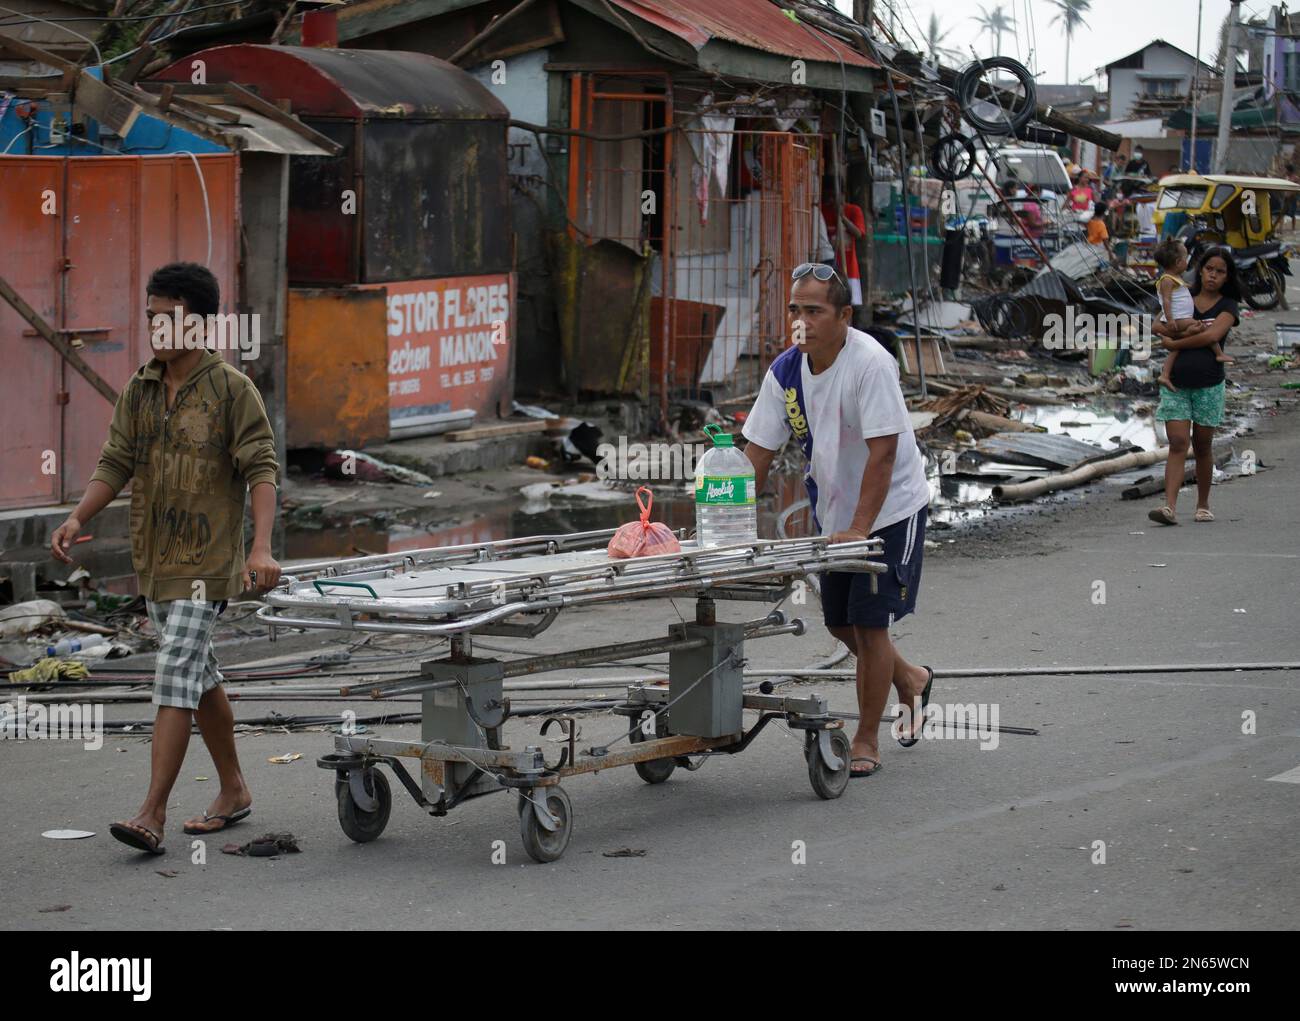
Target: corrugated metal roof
348,83
256,133
759,24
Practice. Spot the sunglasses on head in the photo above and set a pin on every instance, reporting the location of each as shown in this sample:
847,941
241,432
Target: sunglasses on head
819,270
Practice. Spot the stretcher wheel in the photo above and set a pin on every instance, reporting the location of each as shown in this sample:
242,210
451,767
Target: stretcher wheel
365,826
655,770
829,783
545,845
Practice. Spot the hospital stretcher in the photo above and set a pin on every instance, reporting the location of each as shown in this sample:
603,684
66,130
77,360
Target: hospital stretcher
519,588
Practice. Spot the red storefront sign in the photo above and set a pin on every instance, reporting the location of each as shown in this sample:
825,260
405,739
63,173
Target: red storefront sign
450,346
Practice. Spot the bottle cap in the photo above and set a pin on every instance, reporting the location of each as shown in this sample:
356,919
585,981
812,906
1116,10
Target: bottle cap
719,436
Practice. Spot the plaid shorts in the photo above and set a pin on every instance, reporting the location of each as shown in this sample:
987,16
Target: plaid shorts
187,664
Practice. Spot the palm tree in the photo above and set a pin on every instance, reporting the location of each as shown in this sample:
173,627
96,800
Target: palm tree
1069,14
934,38
995,22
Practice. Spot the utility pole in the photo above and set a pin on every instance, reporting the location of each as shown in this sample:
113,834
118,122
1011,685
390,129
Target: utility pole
1196,80
1229,82
858,181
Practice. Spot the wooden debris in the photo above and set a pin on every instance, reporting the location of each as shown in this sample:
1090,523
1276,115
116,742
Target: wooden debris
485,432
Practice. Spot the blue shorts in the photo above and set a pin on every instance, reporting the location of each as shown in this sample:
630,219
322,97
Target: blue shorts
847,598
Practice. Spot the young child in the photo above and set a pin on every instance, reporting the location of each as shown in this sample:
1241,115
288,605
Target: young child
1176,305
190,432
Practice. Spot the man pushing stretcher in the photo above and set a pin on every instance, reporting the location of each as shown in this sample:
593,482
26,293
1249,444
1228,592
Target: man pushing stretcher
865,478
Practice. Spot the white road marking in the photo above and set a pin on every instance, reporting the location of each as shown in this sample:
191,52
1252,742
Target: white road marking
1290,776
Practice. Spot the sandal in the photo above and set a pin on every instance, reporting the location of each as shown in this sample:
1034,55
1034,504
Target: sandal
225,820
908,742
857,774
140,837
1203,514
1163,516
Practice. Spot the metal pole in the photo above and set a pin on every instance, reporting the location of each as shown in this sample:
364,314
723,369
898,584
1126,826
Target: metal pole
1053,671
907,229
1225,101
1196,78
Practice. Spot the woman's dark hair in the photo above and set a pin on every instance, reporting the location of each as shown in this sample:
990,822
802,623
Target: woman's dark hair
188,282
1231,283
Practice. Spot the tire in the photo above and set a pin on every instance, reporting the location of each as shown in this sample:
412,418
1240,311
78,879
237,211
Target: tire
542,845
1262,287
655,770
1005,123
952,158
360,826
829,784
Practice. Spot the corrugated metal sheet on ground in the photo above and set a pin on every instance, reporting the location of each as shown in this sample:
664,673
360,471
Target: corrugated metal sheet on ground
755,23
1038,448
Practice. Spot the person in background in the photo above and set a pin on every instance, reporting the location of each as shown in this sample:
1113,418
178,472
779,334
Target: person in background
855,227
825,251
1138,164
1194,408
1098,232
1081,199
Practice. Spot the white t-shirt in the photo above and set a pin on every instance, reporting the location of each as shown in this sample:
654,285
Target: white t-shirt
857,398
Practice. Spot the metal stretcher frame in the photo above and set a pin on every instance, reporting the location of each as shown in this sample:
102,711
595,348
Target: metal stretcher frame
518,587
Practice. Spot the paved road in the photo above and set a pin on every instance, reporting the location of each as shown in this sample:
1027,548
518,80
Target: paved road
1156,766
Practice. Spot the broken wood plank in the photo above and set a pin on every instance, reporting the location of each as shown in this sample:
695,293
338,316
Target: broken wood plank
55,341
257,104
136,64
997,423
486,432
107,105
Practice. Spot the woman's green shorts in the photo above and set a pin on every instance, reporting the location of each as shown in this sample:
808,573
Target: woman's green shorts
1202,405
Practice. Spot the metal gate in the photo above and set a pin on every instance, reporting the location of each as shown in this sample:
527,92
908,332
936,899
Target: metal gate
82,235
722,242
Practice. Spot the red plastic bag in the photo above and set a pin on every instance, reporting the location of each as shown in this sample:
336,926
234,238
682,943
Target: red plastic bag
644,538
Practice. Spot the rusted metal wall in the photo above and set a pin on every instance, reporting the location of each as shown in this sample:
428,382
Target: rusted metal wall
81,236
337,368
437,199
324,245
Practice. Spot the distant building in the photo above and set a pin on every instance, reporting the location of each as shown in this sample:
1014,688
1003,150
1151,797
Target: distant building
1275,56
1153,81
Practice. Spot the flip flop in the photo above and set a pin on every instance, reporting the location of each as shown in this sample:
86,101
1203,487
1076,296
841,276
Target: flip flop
866,772
225,820
1203,514
907,742
1163,516
140,837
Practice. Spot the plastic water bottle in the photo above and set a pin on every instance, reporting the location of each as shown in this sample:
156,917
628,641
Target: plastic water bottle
70,645
725,508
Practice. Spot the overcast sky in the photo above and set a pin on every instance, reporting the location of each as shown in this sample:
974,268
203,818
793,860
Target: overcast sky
1114,29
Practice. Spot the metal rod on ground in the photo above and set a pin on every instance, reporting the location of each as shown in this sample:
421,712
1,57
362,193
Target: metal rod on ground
1056,671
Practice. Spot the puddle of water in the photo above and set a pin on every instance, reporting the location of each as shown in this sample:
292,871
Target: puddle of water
516,517
955,498
1095,424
